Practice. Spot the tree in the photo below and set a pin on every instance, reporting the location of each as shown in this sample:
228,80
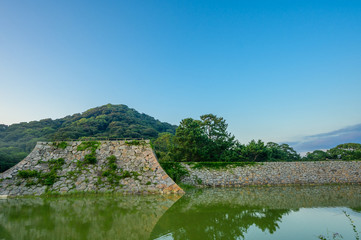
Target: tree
317,155
289,153
204,140
275,152
190,141
221,142
164,146
215,128
255,152
346,151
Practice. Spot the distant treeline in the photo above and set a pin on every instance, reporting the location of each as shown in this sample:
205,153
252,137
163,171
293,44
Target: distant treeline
346,151
207,140
109,121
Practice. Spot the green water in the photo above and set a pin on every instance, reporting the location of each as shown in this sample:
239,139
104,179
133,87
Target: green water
243,213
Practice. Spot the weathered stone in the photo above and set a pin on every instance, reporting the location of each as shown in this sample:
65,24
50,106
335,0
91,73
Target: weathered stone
277,173
77,175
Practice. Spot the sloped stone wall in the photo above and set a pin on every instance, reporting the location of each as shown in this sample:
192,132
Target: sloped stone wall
276,173
63,168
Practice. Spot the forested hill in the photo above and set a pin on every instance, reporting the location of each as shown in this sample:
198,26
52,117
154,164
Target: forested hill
111,121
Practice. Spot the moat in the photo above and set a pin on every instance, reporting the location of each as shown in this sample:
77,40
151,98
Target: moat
296,212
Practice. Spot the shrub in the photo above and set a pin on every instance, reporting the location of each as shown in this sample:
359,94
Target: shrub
30,183
111,159
219,165
28,173
111,162
61,145
93,145
114,174
48,178
56,163
126,174
90,158
174,170
45,178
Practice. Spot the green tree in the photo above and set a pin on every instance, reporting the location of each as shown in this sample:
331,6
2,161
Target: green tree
221,143
204,140
164,146
346,151
289,154
317,155
190,141
255,152
275,152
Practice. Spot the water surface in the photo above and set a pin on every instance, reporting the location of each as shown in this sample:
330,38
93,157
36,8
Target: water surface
302,212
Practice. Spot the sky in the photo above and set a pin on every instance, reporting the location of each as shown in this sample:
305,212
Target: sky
275,70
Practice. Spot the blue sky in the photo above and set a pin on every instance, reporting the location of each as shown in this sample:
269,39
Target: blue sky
275,70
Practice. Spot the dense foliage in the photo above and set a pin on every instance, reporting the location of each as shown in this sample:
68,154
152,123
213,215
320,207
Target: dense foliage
109,121
346,151
174,170
203,140
207,140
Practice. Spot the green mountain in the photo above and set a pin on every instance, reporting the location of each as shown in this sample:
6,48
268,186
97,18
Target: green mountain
108,121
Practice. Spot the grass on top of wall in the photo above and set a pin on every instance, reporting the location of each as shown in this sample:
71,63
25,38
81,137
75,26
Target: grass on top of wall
220,165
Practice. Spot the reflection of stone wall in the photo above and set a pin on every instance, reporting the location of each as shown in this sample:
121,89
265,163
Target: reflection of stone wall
137,164
277,173
92,217
277,197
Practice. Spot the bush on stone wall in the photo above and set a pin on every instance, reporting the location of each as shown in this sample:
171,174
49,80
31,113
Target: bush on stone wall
174,170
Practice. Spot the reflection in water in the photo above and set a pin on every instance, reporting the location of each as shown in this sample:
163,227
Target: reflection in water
217,221
94,217
225,213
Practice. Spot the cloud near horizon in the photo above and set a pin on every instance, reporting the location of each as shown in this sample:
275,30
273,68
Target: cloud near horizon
328,140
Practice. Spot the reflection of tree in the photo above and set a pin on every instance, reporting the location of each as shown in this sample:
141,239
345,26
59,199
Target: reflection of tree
356,209
226,213
215,221
5,234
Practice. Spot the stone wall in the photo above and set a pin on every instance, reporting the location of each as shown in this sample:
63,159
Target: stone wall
65,167
276,173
